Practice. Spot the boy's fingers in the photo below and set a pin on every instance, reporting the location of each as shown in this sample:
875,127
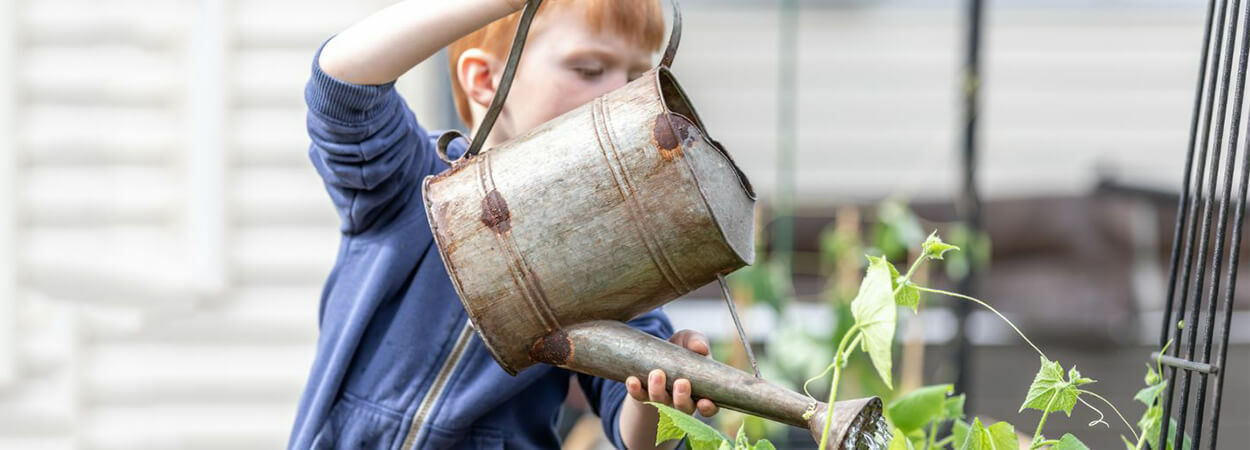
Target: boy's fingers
692,340
634,387
681,396
707,408
657,388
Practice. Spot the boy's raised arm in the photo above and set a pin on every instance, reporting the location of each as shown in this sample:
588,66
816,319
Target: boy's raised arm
380,48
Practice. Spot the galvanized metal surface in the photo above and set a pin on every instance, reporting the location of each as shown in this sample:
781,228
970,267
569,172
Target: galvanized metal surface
605,212
615,351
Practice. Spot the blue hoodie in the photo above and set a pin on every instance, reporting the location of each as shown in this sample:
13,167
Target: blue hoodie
397,363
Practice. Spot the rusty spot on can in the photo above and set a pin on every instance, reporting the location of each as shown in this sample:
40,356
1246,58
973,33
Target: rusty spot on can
495,214
555,348
665,137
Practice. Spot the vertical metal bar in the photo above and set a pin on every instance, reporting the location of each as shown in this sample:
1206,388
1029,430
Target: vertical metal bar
969,202
1195,293
8,197
787,133
1187,215
1182,213
206,164
1229,290
1217,258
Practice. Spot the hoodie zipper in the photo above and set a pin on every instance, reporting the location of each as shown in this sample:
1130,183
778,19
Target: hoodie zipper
416,430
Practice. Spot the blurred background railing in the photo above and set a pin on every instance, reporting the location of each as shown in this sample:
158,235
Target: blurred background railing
163,238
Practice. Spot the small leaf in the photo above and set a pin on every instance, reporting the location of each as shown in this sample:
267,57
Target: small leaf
740,439
1152,377
919,407
934,248
1069,442
959,431
899,441
953,407
1000,436
906,295
763,444
1128,445
1149,424
1049,391
1148,394
1074,377
875,312
675,424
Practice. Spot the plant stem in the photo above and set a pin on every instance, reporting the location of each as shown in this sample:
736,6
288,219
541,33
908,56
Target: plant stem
914,265
1113,408
1045,443
849,332
987,306
1037,435
837,376
932,434
945,441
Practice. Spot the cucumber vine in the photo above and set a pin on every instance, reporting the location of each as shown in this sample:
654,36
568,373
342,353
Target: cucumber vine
915,416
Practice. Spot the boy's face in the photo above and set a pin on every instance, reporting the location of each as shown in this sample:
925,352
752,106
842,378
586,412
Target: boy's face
565,65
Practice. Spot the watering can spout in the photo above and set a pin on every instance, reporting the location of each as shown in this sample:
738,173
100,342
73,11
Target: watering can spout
613,350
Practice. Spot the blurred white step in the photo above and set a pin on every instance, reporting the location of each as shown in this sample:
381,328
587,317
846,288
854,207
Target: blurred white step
259,315
283,254
154,374
190,426
281,196
63,133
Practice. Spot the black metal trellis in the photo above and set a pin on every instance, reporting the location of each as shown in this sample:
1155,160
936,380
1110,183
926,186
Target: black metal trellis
968,205
1195,279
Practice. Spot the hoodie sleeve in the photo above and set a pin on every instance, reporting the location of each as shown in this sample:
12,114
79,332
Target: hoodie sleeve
606,396
367,146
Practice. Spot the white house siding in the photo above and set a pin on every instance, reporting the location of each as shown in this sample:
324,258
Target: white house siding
163,238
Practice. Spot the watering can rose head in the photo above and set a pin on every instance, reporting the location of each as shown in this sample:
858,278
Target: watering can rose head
576,50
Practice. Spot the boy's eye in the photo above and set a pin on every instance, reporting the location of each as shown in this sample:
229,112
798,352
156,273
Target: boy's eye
589,72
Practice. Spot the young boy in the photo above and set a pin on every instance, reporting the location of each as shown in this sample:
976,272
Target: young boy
397,363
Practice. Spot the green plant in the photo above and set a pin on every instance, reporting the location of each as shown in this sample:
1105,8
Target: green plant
675,424
915,417
875,311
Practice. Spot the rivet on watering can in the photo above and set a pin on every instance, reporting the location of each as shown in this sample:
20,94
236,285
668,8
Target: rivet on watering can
495,214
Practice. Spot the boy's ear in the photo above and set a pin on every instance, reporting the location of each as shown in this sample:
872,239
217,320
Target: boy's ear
476,73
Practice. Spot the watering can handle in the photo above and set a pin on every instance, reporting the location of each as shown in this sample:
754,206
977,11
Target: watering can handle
742,334
509,71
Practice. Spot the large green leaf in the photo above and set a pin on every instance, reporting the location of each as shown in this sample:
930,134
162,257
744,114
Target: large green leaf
1069,442
1000,436
876,314
1050,392
917,408
675,424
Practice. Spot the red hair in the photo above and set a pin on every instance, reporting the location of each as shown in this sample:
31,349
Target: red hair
639,21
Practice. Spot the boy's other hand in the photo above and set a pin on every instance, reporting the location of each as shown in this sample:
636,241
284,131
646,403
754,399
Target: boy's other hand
657,380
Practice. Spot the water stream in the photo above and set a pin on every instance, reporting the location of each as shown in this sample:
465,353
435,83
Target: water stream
867,435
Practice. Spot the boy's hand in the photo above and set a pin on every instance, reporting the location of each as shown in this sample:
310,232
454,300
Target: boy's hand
656,390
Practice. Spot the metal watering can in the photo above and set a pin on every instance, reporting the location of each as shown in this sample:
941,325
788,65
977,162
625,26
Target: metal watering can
557,236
